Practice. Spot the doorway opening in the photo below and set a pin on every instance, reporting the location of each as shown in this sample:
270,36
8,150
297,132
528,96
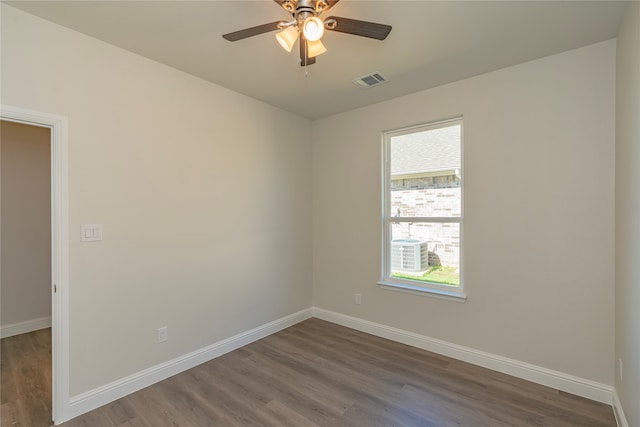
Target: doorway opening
57,127
25,315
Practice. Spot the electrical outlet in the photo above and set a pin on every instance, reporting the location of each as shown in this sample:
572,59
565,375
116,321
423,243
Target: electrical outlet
620,369
358,299
163,334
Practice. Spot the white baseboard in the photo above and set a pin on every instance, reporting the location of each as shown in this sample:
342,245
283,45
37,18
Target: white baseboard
579,386
100,396
621,421
25,327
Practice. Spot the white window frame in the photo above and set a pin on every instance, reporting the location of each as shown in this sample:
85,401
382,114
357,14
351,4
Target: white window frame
412,286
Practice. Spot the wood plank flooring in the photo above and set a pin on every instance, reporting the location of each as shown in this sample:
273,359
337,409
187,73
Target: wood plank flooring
318,374
25,380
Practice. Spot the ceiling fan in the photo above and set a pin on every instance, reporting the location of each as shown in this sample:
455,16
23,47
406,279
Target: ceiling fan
309,28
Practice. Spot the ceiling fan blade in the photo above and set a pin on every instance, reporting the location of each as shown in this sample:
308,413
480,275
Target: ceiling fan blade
360,28
304,59
253,31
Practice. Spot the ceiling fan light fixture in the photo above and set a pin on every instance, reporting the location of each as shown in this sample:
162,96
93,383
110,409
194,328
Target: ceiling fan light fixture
307,26
315,48
287,38
313,28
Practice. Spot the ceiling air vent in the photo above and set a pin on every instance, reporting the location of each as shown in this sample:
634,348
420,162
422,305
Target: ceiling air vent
370,80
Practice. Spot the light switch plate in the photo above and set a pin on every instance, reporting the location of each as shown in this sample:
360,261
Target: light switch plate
90,232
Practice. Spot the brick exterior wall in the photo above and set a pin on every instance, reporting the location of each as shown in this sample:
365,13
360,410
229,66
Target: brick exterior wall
429,196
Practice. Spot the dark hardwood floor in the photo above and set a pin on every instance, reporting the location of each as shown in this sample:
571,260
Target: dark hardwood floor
25,380
320,374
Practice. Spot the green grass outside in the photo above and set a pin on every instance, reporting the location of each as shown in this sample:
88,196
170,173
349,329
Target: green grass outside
436,274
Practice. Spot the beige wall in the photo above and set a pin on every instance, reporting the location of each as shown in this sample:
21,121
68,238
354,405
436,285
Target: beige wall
628,214
26,223
203,195
538,253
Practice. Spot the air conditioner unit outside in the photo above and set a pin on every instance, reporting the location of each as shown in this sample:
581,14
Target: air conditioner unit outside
409,255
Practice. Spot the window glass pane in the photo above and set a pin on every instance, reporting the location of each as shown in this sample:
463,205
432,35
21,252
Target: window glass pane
425,173
423,206
426,252
424,201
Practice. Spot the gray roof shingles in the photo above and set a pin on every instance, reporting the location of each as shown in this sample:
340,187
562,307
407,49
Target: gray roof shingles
427,151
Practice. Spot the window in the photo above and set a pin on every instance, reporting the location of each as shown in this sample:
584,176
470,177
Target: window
422,208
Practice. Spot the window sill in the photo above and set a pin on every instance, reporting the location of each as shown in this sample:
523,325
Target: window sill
430,292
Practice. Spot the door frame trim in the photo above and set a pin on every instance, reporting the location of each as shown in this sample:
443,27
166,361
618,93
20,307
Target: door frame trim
59,249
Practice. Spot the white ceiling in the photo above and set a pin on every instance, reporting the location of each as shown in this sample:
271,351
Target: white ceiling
432,43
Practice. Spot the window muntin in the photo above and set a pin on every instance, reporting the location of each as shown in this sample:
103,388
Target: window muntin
422,212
